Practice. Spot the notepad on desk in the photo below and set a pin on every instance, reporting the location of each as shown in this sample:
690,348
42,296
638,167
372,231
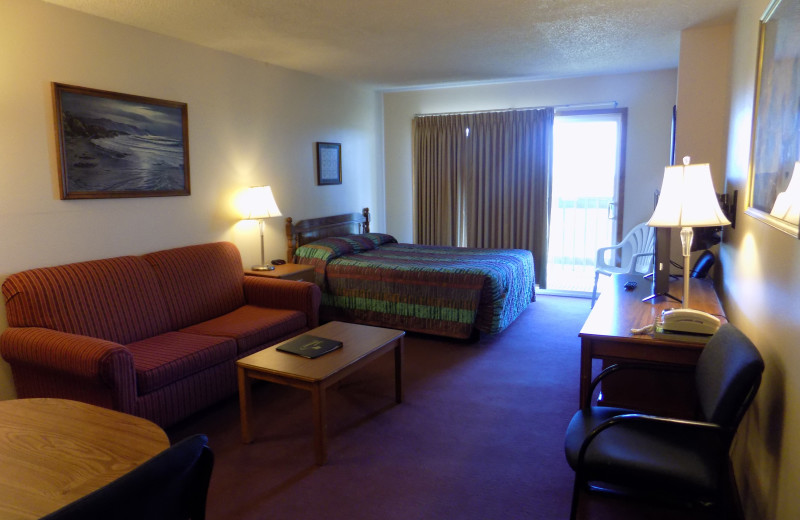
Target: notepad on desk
309,346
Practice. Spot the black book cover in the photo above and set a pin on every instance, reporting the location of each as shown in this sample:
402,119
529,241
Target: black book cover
309,346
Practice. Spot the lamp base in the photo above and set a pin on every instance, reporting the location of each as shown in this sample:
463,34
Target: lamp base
687,234
263,268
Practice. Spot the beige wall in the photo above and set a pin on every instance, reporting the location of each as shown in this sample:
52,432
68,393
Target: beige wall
649,97
249,124
704,88
761,276
704,98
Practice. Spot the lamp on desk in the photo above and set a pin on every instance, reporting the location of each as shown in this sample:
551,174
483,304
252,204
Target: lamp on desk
687,200
261,205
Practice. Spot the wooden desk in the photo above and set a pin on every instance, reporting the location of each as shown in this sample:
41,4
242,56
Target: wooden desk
54,451
607,334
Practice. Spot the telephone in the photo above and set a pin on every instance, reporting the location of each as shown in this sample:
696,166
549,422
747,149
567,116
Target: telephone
689,320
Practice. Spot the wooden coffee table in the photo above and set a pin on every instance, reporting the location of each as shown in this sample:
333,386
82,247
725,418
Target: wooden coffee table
360,345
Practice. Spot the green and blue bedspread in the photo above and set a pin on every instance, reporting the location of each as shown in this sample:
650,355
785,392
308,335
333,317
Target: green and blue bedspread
439,290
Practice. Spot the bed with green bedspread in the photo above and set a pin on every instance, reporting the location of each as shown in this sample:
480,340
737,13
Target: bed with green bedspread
450,291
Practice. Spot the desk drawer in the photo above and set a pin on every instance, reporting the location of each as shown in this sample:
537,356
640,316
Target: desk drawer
649,350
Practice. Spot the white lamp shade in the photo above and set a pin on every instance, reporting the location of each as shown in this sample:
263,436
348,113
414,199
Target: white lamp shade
787,203
260,203
688,198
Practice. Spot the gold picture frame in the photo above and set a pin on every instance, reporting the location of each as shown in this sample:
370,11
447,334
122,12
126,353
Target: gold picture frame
775,143
113,145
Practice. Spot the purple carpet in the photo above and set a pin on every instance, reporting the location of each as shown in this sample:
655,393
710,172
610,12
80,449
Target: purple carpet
480,435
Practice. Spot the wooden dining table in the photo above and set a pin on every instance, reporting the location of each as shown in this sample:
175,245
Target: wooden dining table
54,451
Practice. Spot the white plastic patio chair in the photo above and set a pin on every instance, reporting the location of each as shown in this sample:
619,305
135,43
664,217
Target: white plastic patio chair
637,251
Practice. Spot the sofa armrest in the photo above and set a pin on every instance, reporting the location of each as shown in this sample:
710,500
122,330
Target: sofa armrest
42,359
276,293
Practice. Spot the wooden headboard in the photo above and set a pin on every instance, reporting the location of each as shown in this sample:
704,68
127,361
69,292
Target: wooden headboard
304,231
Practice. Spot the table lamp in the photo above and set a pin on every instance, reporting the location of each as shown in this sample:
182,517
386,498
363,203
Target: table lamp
687,200
261,205
787,203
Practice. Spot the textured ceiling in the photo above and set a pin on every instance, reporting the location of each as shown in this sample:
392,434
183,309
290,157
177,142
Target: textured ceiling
407,43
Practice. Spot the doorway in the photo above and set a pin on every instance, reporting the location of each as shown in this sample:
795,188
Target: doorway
586,199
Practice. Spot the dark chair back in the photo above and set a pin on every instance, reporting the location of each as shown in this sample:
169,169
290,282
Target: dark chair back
727,377
171,486
703,265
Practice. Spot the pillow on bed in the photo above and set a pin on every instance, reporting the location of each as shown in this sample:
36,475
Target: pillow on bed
380,238
327,249
368,241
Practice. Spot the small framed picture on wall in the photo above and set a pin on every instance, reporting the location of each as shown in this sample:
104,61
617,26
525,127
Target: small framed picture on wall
329,163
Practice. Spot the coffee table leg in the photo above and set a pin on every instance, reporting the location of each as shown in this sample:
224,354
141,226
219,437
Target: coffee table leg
398,371
245,406
320,424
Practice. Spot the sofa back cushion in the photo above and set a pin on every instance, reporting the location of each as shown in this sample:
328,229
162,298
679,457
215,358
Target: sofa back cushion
199,282
116,299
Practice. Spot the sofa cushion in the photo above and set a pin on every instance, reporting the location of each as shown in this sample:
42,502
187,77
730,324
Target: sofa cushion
115,299
252,326
199,282
167,358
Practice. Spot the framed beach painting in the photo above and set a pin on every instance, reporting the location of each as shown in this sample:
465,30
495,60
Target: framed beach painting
113,145
776,117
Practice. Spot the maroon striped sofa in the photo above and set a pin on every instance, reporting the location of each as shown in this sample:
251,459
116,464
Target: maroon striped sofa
156,335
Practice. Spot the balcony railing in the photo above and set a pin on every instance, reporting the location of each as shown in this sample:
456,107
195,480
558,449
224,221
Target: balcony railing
578,228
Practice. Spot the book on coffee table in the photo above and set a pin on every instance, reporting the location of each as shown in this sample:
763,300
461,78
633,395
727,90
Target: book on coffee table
309,346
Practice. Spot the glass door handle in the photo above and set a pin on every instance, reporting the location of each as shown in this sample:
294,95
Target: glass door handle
612,211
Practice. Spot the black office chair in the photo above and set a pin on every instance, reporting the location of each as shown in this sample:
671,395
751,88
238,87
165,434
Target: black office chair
173,485
702,265
625,452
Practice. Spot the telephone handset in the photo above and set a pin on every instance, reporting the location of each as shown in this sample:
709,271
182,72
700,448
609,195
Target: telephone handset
689,320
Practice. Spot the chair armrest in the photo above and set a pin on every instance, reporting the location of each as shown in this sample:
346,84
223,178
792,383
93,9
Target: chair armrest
633,418
601,254
43,359
276,293
619,367
637,256
635,260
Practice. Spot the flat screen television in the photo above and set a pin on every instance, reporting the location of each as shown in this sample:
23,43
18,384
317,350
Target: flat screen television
663,237
662,265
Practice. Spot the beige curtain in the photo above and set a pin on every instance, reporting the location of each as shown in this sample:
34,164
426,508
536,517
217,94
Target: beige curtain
439,165
508,191
483,180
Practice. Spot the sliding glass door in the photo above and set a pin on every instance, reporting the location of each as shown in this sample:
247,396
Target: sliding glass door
586,200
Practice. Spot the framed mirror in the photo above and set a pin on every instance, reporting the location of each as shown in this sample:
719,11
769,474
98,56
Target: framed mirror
776,116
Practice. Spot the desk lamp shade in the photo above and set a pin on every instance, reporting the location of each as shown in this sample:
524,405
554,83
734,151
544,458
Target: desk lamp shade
260,205
687,200
787,203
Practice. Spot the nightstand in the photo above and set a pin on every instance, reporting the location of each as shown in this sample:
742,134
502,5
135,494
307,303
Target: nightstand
287,272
